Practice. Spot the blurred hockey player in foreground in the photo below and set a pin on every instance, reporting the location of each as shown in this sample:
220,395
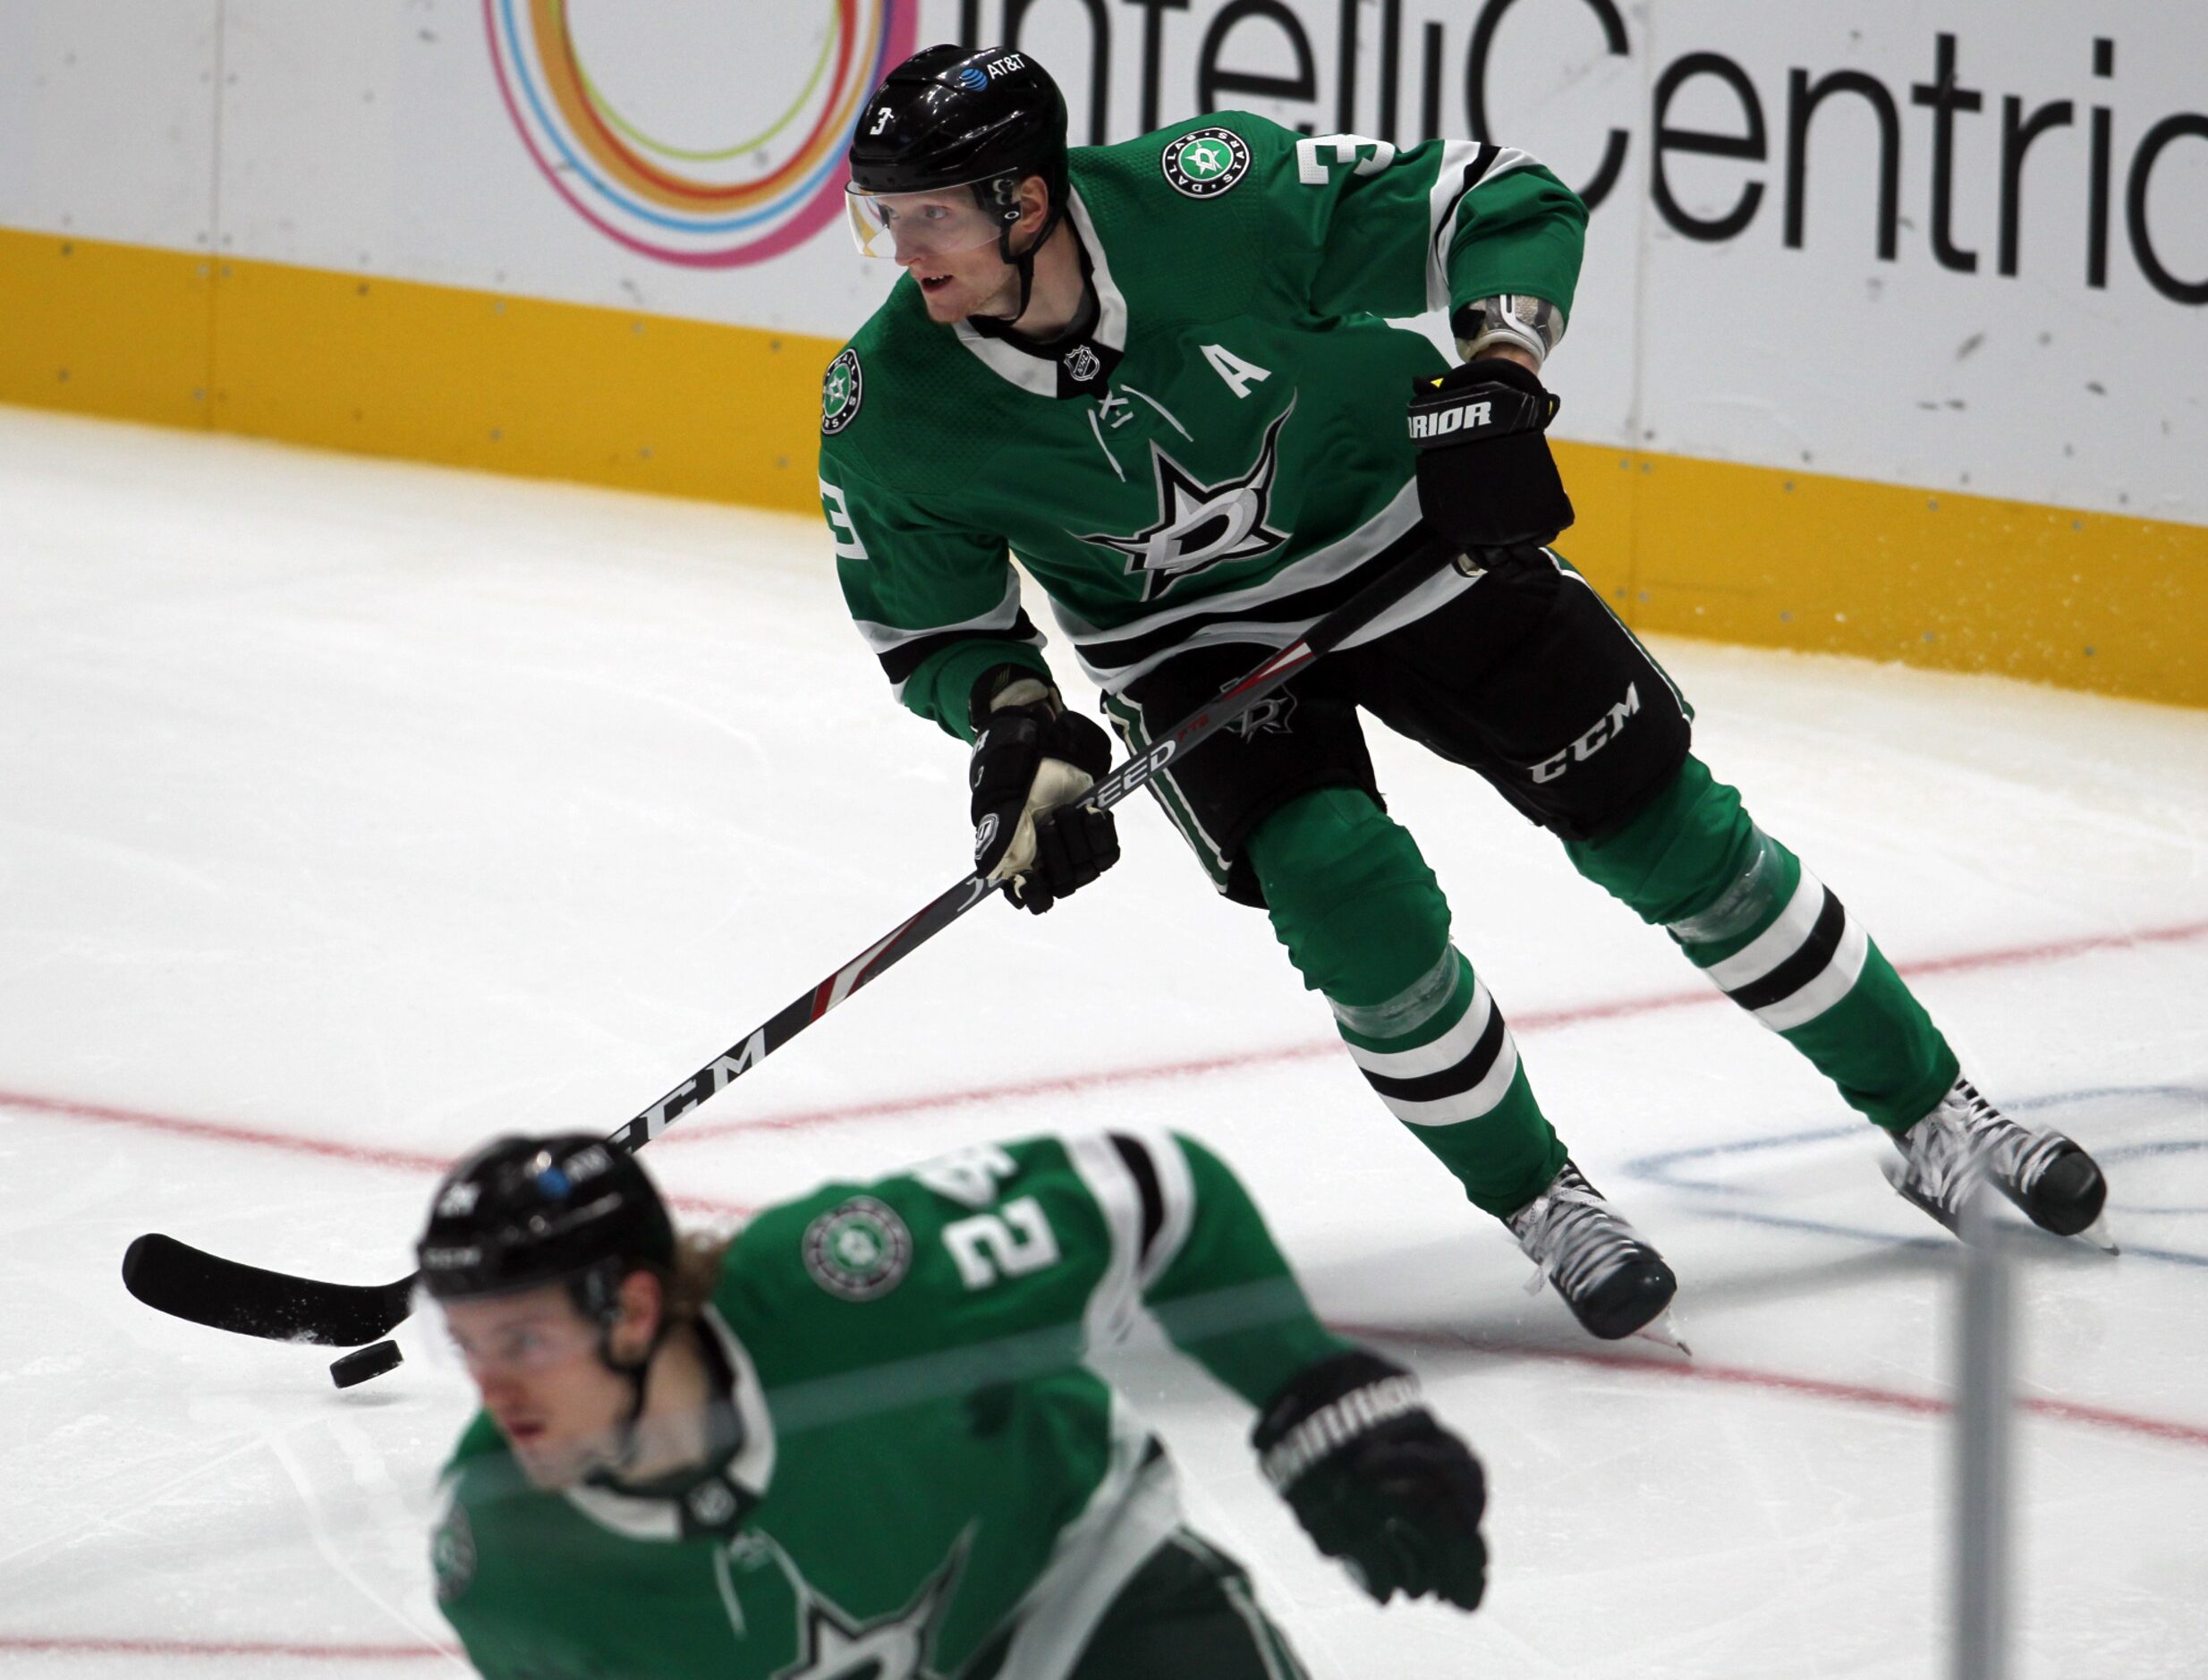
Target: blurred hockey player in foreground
858,1439
1162,373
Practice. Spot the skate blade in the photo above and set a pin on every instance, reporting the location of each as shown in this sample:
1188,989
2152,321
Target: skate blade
1932,1210
2097,1233
1664,1331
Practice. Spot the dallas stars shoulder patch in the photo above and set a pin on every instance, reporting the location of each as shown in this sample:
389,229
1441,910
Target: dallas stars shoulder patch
1205,162
858,1248
841,387
452,1554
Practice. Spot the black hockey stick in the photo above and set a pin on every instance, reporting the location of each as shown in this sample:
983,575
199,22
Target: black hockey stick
189,1282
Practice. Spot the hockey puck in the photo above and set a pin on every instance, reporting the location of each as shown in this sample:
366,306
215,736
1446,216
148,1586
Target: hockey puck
364,1363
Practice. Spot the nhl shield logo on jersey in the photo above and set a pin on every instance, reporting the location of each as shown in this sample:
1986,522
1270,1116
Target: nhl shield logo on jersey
1206,162
840,389
858,1250
1082,362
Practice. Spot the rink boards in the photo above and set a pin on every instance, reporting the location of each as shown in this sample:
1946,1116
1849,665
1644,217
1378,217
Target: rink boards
1888,341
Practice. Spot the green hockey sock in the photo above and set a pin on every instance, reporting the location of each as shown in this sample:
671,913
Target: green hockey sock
1777,941
1366,924
1442,1059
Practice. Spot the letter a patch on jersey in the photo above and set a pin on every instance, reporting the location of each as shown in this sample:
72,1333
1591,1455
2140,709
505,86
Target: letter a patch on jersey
1239,375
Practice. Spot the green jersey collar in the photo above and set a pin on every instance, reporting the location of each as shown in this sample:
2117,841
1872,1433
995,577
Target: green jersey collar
1076,365
650,1517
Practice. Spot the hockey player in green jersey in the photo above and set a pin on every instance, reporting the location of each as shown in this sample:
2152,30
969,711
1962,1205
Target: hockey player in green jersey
1160,373
858,1442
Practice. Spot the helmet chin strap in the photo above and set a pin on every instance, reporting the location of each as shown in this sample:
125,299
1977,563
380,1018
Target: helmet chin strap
1024,264
638,1372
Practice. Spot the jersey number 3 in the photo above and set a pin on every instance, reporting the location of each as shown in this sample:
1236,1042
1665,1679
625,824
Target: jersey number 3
1011,1243
1316,158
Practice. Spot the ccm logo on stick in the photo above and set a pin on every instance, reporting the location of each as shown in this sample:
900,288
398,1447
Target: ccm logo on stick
1464,417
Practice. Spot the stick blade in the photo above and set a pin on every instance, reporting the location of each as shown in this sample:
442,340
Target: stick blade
224,1294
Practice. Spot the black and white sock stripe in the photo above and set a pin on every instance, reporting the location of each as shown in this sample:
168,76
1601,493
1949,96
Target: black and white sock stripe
1799,966
1461,1076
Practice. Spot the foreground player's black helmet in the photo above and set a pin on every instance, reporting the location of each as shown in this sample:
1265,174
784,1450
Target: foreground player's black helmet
949,118
524,1211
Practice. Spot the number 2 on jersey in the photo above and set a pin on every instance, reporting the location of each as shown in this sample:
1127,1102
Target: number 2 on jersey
1009,1243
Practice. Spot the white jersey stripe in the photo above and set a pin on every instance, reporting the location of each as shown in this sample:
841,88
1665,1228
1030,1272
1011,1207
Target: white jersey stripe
1443,587
1446,204
1177,1185
888,638
1322,566
1114,1303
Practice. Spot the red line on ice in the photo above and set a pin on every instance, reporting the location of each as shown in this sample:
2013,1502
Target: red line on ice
222,1131
1533,1021
1745,1376
1064,1084
63,1645
1815,1387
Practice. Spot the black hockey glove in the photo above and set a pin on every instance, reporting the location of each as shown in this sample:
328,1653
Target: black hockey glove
1031,760
1375,1480
1485,476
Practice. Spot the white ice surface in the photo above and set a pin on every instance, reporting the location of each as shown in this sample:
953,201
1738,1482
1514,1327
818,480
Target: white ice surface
379,807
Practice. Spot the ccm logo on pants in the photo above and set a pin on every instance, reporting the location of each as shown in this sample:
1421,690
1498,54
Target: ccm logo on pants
1612,726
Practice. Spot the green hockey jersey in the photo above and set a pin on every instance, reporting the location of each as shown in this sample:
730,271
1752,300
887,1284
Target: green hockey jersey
1222,455
929,1479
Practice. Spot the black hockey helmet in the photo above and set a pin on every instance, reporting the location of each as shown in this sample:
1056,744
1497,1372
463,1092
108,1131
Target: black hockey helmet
950,116
525,1211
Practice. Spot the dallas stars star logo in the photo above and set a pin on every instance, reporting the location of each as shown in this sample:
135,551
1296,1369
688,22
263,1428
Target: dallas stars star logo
833,1645
1205,162
1202,525
841,389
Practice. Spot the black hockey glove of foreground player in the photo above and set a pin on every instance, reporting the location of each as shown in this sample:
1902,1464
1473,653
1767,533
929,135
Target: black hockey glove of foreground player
1485,476
1375,1480
1031,760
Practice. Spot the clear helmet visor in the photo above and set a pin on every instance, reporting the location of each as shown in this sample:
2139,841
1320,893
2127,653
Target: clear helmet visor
902,225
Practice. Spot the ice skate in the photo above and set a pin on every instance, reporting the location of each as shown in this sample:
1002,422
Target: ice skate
1615,1283
2054,1181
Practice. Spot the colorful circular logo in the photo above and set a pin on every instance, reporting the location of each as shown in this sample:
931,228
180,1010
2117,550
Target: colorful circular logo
720,204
